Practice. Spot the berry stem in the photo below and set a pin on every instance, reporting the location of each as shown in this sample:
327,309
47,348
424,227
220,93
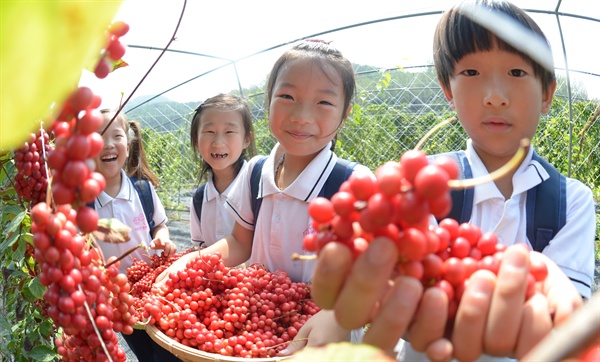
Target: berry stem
141,245
173,37
284,343
89,313
433,130
495,175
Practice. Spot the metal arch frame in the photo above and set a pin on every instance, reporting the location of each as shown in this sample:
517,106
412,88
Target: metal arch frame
233,62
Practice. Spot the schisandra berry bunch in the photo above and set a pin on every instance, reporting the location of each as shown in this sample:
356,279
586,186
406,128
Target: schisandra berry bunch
114,48
247,312
31,180
141,276
74,180
398,203
88,301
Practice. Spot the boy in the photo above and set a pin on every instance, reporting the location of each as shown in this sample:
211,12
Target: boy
498,93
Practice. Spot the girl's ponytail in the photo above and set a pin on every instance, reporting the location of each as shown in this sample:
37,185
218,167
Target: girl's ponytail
137,163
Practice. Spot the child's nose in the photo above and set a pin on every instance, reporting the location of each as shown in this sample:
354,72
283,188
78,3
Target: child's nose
495,94
301,114
218,139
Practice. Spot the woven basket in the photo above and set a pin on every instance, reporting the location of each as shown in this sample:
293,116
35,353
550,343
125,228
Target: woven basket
189,354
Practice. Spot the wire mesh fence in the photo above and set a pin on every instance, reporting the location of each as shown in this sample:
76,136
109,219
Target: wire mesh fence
393,109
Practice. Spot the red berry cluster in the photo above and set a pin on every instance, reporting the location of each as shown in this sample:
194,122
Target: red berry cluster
141,276
72,161
81,293
114,48
398,203
31,180
247,312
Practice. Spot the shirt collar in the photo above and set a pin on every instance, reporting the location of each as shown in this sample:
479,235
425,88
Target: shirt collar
125,193
211,191
528,175
308,184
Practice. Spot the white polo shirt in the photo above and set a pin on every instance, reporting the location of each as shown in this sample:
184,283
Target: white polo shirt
283,217
127,208
572,249
216,222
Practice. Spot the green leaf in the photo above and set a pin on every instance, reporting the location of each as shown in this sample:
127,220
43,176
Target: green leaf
4,324
10,209
15,223
33,290
42,353
67,33
47,328
9,242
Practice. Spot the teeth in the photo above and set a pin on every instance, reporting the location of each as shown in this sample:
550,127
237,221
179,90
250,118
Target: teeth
219,155
108,158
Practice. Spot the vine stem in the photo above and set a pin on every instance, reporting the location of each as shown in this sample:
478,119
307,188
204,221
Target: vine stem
173,37
141,245
499,173
432,131
89,312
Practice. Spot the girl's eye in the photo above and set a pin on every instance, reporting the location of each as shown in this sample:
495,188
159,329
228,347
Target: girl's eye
327,103
286,96
517,72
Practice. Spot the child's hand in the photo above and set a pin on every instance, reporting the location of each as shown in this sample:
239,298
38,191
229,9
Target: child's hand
166,245
494,306
179,264
367,296
491,306
319,330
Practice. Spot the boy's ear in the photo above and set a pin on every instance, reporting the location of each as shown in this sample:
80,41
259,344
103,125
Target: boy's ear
547,97
448,95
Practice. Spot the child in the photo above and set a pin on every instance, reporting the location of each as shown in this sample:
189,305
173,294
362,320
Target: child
120,200
499,93
309,92
222,133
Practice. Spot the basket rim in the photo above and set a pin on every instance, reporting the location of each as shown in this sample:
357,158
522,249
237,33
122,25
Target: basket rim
194,354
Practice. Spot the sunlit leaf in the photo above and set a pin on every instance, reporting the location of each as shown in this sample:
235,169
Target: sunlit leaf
42,354
43,47
33,290
112,231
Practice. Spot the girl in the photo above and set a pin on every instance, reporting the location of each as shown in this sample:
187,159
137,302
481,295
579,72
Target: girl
123,150
222,133
308,95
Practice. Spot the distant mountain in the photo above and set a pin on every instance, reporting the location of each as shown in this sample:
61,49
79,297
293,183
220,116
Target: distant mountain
160,113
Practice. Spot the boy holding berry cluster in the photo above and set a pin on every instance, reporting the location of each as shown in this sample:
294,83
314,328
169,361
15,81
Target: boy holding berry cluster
498,92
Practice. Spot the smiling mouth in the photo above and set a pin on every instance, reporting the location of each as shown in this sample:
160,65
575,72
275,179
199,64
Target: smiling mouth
111,158
219,155
299,135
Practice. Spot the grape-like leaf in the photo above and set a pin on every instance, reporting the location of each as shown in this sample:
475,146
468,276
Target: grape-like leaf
43,48
112,231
